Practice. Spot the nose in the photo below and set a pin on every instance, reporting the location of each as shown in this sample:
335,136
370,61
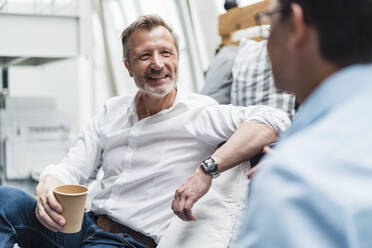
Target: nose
157,62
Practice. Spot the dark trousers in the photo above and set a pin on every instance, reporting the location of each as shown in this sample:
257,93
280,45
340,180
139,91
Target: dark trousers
18,224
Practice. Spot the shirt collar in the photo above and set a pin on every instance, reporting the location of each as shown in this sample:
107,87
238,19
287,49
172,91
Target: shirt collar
335,90
179,100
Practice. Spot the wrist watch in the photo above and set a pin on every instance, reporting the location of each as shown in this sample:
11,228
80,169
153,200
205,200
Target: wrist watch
210,166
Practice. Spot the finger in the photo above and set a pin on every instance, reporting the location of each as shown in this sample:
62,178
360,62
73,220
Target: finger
47,216
178,193
178,204
267,149
174,205
175,208
189,203
56,217
253,170
42,218
181,212
53,203
50,217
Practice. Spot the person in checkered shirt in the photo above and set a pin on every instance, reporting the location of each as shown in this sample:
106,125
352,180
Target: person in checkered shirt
242,76
253,82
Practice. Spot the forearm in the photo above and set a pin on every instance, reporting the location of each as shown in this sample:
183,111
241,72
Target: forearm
249,139
260,129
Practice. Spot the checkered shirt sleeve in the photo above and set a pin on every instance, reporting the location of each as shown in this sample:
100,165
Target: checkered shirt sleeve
253,81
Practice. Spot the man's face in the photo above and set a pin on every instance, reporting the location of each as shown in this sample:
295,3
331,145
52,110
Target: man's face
153,60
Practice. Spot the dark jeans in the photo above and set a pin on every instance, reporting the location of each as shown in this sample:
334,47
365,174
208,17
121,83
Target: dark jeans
18,224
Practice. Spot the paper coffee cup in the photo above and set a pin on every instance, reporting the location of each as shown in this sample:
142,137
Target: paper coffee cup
72,198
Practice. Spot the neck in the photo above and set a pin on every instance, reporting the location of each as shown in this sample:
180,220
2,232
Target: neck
312,68
148,105
320,72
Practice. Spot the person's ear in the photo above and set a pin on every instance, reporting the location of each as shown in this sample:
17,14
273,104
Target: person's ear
130,71
299,29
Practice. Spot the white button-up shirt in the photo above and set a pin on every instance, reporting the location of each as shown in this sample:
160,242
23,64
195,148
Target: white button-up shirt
145,161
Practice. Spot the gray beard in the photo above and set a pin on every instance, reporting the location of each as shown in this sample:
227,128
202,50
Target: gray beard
156,93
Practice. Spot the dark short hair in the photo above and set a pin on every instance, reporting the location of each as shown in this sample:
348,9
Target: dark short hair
146,22
344,27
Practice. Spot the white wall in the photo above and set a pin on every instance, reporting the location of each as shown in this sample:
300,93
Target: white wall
58,79
205,19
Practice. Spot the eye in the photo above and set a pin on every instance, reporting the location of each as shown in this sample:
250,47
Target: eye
167,53
144,56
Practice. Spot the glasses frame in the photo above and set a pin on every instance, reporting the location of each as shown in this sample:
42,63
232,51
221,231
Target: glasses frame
258,20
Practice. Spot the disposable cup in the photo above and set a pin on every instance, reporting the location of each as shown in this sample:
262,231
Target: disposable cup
72,198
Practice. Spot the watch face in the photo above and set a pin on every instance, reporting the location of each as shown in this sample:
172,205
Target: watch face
210,165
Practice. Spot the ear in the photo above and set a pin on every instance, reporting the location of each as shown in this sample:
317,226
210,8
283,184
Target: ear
299,29
126,63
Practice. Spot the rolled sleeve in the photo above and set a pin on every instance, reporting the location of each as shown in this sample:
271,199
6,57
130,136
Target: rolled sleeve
216,124
277,119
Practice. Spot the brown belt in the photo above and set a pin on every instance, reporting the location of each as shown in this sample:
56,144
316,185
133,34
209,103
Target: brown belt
108,225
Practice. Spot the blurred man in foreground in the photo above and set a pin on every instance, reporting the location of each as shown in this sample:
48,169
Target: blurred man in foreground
314,189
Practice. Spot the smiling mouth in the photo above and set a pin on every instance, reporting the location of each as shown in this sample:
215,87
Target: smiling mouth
157,77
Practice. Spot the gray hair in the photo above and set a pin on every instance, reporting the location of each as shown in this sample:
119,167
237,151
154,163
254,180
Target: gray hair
146,22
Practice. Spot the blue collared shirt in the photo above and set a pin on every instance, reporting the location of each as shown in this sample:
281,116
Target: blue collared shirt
315,189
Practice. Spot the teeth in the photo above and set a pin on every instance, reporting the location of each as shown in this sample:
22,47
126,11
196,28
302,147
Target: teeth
158,77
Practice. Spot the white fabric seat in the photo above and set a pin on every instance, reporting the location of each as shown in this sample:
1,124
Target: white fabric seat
218,214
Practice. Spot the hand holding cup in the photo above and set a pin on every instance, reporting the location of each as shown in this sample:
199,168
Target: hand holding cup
72,198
